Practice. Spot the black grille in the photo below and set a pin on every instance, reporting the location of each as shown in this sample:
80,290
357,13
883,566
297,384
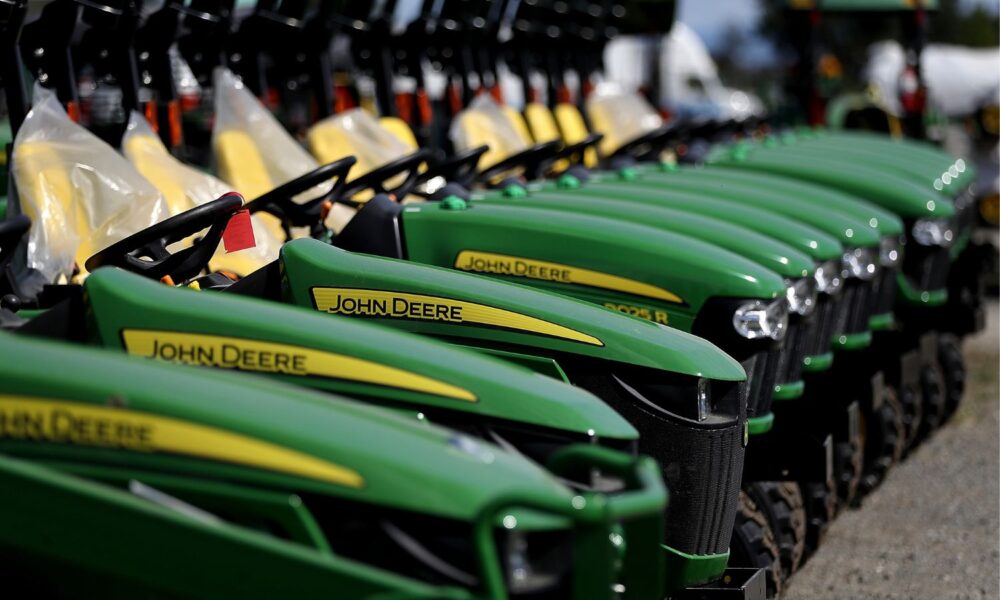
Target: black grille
702,466
790,367
926,267
884,292
762,374
819,330
854,308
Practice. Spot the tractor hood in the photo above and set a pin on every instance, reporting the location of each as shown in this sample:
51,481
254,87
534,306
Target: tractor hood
762,249
884,222
820,246
149,319
242,428
923,151
605,261
898,194
943,176
447,303
850,231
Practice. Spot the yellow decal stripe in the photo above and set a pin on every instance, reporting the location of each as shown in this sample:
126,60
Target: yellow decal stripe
268,357
399,305
44,420
516,266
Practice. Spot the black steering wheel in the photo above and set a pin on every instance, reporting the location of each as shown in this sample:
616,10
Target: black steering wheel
647,144
532,160
11,232
460,169
376,178
280,201
145,252
575,152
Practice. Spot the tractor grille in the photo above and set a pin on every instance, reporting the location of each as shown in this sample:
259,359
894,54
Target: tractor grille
884,292
704,488
762,374
854,308
819,331
926,268
790,369
702,464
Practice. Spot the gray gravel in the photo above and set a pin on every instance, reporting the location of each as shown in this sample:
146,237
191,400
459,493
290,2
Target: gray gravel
932,530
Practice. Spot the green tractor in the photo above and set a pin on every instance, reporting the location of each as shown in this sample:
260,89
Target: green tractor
150,317
122,473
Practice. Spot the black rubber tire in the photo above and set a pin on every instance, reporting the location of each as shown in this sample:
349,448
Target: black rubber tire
821,507
953,366
782,504
910,399
933,397
848,467
753,545
885,439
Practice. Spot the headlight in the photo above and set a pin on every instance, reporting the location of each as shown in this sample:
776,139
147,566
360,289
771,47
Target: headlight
801,295
858,263
536,562
755,320
828,279
890,251
933,232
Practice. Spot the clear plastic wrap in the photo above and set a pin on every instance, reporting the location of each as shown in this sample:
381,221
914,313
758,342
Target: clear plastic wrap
238,114
621,116
485,122
355,132
184,188
80,194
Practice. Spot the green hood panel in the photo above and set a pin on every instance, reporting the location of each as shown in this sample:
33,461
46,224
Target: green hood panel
898,194
599,260
882,221
805,238
382,454
850,231
909,148
760,248
342,355
321,276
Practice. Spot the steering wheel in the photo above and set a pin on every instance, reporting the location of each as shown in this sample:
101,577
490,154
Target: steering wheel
532,160
280,201
11,232
145,252
574,152
647,143
460,169
375,179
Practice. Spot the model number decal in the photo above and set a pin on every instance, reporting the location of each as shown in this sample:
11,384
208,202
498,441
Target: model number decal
657,316
43,420
515,266
271,357
400,305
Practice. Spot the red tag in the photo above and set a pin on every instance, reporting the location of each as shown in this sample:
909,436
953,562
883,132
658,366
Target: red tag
239,232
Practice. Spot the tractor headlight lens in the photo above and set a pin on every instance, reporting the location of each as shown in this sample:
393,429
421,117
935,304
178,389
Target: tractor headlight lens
756,320
535,562
704,399
858,263
933,232
890,251
801,295
828,279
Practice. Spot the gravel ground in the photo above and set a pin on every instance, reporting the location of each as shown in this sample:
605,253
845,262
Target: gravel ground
932,530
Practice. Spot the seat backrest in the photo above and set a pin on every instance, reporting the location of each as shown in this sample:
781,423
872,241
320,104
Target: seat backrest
401,130
541,122
574,129
184,188
40,174
240,163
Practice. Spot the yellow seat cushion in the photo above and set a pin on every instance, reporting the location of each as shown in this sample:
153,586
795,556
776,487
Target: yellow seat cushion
574,130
